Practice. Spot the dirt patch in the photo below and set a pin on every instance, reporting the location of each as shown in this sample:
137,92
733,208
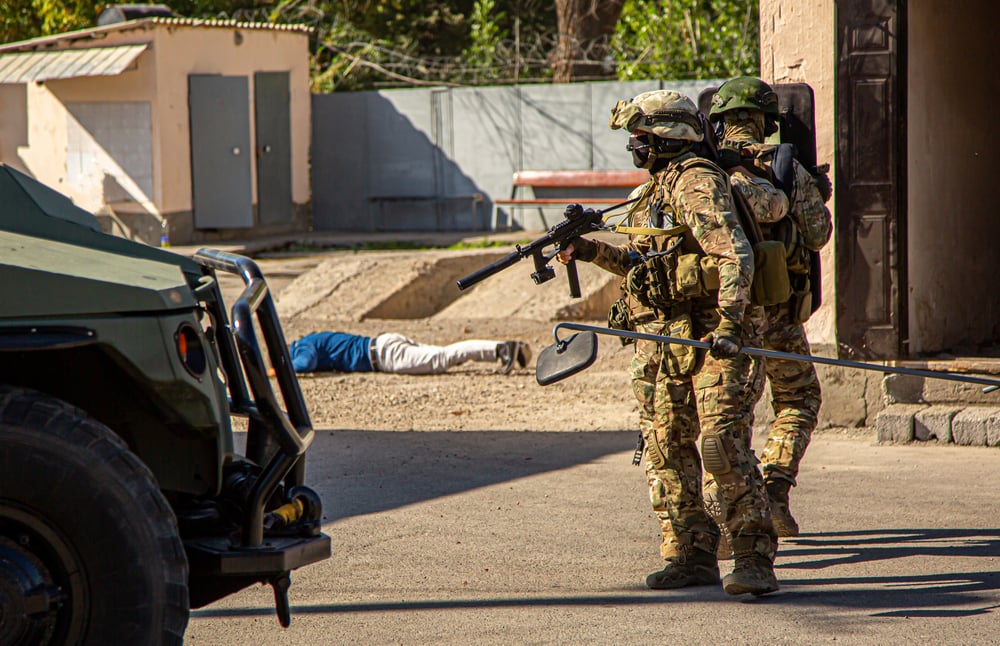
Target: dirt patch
414,293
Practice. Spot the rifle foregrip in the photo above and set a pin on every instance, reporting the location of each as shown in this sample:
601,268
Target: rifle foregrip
488,270
574,279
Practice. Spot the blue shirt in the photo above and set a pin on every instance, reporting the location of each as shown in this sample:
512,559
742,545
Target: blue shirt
338,351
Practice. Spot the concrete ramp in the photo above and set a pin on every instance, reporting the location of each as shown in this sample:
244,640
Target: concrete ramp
421,284
513,294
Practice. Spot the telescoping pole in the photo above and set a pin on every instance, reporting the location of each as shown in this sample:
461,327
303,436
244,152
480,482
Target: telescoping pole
990,384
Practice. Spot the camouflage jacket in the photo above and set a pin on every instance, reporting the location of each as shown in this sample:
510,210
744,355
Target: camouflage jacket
694,192
806,207
768,202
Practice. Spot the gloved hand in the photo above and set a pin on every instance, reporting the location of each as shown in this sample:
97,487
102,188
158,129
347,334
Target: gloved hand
577,249
728,158
726,339
823,185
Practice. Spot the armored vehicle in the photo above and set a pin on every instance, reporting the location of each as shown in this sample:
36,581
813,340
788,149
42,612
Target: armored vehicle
123,499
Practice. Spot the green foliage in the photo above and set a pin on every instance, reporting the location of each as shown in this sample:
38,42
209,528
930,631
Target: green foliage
25,19
687,39
366,44
485,33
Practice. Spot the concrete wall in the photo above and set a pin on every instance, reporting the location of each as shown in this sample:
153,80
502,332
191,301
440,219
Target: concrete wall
410,159
952,216
798,45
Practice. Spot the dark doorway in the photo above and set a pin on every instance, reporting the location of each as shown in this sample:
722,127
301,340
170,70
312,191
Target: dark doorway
871,179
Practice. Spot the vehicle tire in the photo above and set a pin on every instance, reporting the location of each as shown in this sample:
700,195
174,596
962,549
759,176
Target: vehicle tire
89,547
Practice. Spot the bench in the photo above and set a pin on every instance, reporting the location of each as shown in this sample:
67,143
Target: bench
572,186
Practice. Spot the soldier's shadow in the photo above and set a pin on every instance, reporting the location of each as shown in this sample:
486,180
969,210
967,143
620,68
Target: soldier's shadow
898,593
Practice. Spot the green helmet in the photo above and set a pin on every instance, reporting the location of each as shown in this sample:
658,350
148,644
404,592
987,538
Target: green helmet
663,113
744,92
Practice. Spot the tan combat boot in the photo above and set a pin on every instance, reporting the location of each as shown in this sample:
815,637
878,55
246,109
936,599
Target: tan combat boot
752,573
781,516
690,567
716,508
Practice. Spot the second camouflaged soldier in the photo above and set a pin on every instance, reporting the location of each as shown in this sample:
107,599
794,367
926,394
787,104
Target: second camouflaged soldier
745,111
689,265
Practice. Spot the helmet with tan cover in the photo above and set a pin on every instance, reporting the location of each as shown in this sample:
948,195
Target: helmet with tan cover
662,113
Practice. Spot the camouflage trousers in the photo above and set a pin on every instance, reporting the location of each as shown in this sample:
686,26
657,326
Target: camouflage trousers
795,396
674,411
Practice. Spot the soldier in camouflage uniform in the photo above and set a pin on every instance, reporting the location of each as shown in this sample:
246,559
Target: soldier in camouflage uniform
744,111
769,204
687,269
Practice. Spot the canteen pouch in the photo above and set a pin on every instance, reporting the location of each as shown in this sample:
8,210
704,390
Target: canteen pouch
770,277
800,302
679,360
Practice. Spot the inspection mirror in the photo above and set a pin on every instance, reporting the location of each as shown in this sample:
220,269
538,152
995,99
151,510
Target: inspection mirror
566,357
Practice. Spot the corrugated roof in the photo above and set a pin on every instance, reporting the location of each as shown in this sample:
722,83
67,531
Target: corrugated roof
24,67
148,23
212,22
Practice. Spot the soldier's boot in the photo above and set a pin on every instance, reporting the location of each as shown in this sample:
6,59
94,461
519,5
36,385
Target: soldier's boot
716,508
752,573
781,516
690,567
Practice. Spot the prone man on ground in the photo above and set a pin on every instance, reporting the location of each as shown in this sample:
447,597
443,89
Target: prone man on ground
391,352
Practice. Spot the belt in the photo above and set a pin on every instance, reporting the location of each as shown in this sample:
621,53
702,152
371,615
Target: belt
373,355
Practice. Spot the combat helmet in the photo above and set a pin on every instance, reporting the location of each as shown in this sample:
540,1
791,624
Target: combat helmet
744,92
662,113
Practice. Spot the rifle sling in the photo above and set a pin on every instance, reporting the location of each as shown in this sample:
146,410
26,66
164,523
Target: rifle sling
652,231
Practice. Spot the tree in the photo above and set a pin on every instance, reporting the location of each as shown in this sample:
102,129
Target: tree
687,39
25,19
585,27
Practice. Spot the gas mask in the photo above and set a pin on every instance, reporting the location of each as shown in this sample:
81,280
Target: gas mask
652,152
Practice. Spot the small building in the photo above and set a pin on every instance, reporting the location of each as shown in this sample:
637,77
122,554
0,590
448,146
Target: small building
169,129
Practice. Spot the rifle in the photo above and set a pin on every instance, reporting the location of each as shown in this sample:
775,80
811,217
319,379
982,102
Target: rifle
577,222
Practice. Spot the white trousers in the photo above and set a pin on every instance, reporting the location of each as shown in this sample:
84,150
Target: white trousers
396,353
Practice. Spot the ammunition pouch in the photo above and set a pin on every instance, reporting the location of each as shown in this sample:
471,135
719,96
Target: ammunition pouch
651,282
659,286
620,318
665,281
688,276
679,360
771,285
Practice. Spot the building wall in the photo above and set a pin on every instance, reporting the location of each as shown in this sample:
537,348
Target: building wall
45,138
798,45
230,51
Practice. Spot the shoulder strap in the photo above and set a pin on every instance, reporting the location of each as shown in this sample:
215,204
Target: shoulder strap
783,168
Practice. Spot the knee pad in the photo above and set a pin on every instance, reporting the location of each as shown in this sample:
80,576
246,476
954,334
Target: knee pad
714,457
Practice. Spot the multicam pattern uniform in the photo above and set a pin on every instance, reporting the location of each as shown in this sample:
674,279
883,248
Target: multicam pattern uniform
795,389
710,399
769,204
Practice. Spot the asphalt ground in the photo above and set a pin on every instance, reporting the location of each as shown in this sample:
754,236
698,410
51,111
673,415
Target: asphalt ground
494,537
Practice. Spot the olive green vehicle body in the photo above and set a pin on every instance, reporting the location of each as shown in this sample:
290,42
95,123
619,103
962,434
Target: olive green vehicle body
58,269
96,321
